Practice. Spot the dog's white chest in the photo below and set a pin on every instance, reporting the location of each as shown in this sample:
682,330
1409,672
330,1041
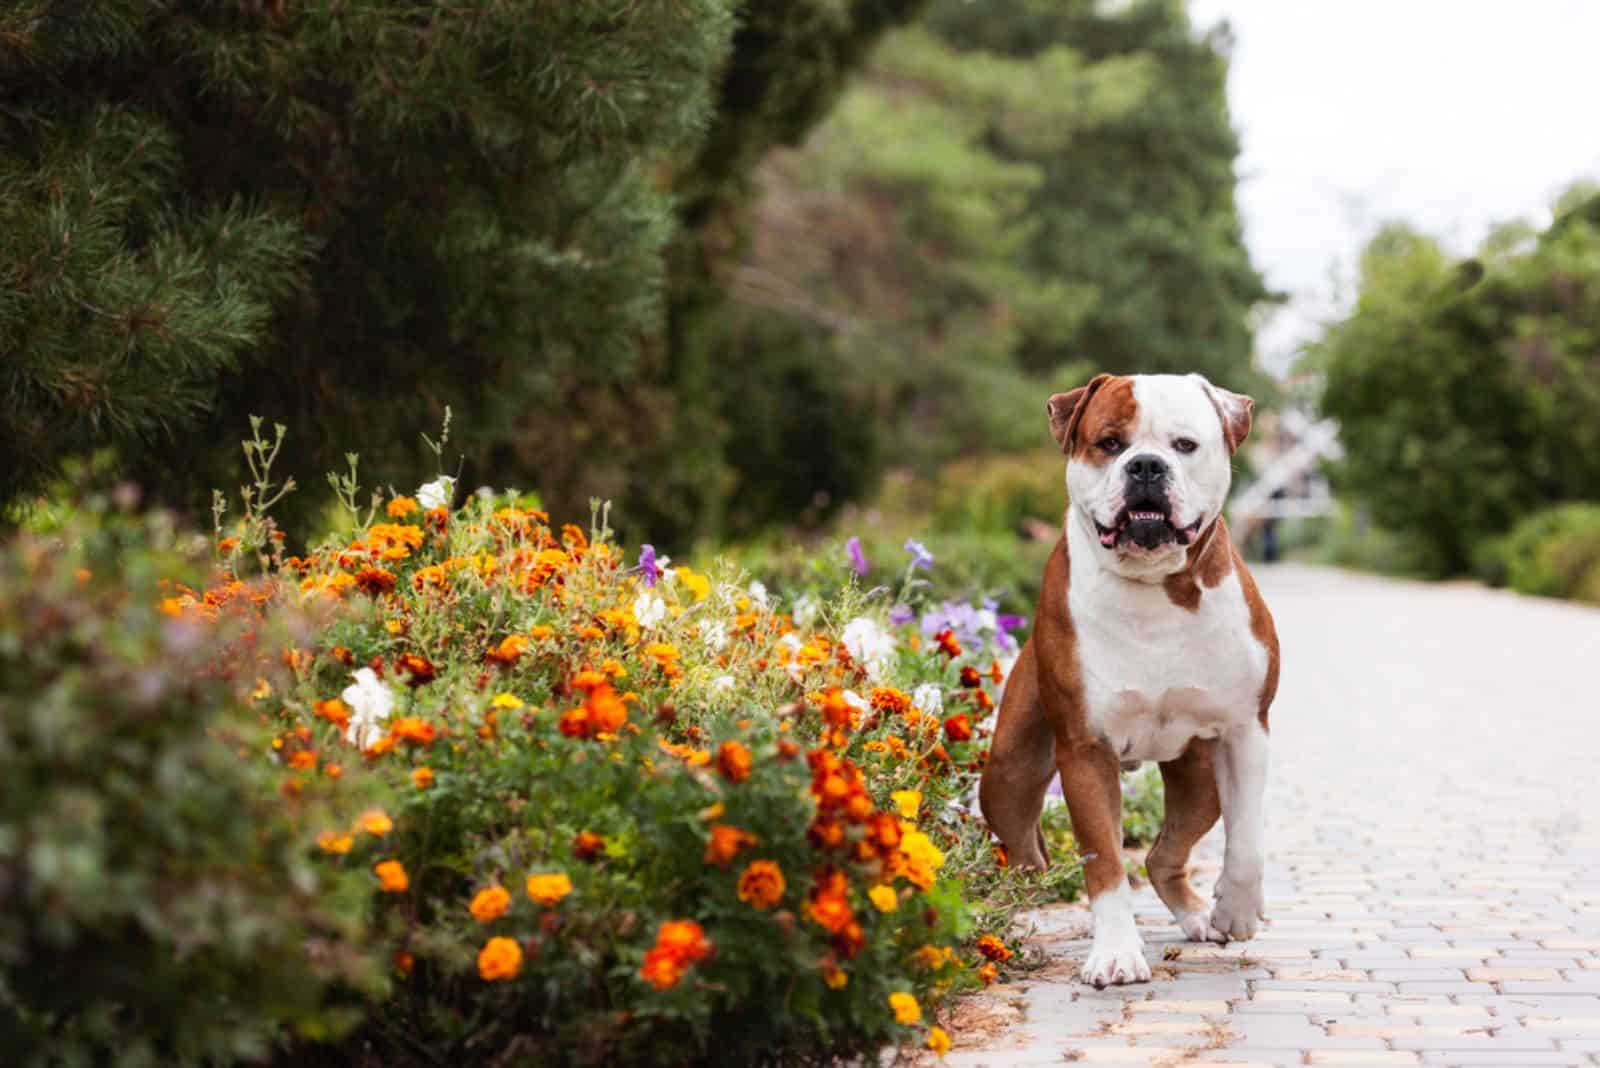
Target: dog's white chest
1156,675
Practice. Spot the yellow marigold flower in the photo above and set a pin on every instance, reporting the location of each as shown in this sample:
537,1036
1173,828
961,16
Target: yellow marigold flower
506,700
614,668
836,977
906,1009
375,821
392,877
500,958
938,1041
549,889
698,585
490,904
335,842
935,957
907,801
262,691
422,778
401,507
921,858
883,898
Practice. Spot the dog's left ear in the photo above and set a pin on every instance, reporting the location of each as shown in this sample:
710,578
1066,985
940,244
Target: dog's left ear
1234,409
1066,408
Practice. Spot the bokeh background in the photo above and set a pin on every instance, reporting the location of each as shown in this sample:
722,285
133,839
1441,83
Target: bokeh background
771,274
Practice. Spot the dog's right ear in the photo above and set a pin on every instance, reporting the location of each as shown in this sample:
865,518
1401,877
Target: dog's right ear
1066,409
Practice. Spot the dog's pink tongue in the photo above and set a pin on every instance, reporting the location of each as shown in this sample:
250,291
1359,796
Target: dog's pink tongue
1108,539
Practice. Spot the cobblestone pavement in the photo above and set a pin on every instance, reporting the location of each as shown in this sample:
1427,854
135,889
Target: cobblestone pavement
1433,847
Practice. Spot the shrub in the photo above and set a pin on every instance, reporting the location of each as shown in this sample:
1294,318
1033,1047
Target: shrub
161,906
603,806
1553,553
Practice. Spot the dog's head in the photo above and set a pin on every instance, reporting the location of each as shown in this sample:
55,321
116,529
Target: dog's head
1149,462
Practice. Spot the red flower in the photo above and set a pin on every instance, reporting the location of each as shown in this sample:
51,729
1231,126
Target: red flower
958,728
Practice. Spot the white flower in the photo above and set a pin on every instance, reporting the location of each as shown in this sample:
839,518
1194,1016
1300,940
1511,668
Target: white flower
855,700
758,593
987,620
869,645
370,703
805,612
649,610
715,635
437,494
722,682
484,493
929,698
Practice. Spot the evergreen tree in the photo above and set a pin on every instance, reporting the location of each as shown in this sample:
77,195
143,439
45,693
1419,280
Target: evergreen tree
344,215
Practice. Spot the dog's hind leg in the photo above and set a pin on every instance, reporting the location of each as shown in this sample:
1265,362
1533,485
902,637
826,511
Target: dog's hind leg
1192,809
1022,759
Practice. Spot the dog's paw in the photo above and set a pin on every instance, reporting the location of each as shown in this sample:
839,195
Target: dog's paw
1115,961
1238,912
1196,927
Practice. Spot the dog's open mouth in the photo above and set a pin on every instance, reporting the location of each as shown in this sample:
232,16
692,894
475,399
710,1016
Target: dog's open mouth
1146,527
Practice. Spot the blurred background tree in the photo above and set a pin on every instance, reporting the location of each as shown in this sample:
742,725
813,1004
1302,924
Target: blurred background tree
720,261
1468,393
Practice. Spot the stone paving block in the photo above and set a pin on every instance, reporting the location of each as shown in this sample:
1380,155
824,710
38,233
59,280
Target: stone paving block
1199,1008
1519,1059
1349,1056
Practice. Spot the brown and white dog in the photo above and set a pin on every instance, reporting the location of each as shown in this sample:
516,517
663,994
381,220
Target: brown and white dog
1151,642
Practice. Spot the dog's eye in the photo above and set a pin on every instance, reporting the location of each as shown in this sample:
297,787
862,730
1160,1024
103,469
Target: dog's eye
1185,445
1110,445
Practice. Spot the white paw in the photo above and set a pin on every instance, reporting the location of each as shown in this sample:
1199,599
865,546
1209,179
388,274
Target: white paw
1196,927
1116,960
1238,912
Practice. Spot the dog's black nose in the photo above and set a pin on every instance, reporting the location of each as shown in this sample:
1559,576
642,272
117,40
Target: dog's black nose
1147,468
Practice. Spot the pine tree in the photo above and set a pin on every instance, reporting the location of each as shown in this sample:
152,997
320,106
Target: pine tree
344,215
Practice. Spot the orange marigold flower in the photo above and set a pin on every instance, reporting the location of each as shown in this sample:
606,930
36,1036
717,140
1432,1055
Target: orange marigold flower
958,728
587,680
548,889
335,842
587,845
834,976
661,970
888,699
607,711
401,507
490,903
225,546
422,778
947,643
725,843
404,962
414,730
420,668
375,580
733,760
994,949
500,958
332,771
303,760
685,939
375,821
787,750
392,877
970,677
574,724
509,651
761,885
988,974
829,903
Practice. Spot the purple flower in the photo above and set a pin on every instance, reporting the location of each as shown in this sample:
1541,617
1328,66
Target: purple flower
901,614
647,565
858,559
920,556
1010,623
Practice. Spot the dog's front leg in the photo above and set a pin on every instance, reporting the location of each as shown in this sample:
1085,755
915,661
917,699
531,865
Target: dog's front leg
1240,759
1092,785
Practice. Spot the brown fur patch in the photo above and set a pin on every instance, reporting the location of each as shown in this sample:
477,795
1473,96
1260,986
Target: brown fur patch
1234,412
1265,632
1210,559
1065,407
1111,411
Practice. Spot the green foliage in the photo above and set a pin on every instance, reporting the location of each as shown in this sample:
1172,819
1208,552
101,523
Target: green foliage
161,906
1143,806
1009,198
346,216
1552,553
1465,406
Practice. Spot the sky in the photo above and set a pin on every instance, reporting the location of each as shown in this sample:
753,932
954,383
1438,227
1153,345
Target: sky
1452,115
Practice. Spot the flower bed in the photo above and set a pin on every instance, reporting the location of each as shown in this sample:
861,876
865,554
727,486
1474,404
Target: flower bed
586,808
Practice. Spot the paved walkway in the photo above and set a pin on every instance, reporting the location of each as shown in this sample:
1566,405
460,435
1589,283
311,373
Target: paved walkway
1433,876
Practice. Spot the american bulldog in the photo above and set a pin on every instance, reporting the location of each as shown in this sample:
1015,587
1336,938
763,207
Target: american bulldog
1151,643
